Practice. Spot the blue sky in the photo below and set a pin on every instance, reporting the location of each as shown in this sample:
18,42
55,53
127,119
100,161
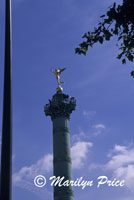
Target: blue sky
44,35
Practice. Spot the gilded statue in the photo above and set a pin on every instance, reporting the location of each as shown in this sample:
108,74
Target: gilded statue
57,73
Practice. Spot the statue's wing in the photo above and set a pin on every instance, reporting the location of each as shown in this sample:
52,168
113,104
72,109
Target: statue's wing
52,70
61,70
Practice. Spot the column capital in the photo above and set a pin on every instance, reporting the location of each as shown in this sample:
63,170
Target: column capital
61,105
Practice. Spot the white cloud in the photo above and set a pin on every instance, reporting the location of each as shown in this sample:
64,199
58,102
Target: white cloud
44,165
99,126
98,129
25,177
79,136
79,153
122,164
89,114
39,192
94,166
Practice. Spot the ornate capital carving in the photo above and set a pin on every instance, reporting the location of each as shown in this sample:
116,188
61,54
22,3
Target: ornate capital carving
61,105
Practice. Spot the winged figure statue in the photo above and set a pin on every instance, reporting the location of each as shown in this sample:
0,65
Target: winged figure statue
57,73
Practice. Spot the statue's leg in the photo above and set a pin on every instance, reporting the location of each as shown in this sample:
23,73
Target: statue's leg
58,79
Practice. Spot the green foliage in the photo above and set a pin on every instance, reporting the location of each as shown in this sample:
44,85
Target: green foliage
118,21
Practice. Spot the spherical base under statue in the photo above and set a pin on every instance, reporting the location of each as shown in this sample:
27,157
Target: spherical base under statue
59,89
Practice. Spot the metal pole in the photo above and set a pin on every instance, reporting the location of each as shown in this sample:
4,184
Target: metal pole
6,151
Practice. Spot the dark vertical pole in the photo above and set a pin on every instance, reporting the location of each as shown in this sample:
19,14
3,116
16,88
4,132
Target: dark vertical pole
6,151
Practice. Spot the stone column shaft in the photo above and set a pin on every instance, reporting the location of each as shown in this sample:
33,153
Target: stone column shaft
62,157
60,108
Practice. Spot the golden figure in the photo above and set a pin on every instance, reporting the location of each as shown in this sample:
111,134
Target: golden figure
57,73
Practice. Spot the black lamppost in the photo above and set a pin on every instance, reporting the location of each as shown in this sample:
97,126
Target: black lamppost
6,150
